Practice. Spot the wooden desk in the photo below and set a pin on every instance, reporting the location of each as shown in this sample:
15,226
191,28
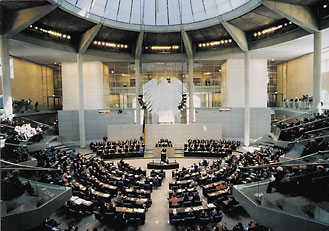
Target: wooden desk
146,193
129,210
192,209
80,201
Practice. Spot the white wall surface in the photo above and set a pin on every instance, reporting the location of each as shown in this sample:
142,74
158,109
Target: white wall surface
92,82
258,83
210,123
233,83
179,133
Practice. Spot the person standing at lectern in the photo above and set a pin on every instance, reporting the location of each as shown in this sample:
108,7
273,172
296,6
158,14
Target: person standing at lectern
163,154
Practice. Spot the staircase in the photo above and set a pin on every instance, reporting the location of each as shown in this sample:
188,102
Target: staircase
62,147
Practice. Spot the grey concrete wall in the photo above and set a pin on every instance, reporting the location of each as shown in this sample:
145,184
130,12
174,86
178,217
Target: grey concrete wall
232,122
96,123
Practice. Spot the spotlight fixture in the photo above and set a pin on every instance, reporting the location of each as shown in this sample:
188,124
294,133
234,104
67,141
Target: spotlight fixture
164,48
216,43
51,33
272,29
110,44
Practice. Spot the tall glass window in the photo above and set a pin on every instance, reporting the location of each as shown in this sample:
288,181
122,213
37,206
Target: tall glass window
119,85
207,84
277,83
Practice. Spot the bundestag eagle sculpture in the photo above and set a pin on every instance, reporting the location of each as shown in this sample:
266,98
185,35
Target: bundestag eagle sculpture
163,97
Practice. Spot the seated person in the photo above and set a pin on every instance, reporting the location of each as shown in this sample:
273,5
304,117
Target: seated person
174,200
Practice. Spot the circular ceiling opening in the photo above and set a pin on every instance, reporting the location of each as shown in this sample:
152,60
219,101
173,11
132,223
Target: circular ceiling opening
135,14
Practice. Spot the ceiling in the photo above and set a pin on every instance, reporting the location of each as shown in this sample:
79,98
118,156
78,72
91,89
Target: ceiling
284,51
244,17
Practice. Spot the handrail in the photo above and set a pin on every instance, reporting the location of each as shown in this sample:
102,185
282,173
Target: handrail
319,129
318,137
291,117
27,167
5,125
314,121
37,122
282,163
17,145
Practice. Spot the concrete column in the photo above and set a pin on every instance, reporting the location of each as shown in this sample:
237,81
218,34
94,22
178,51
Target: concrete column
246,99
317,78
6,86
82,125
137,77
190,77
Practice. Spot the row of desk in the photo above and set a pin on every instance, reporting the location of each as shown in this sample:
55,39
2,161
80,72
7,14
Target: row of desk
93,192
206,154
122,155
207,207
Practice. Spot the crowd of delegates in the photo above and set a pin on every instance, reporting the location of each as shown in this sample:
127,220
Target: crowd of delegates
304,102
12,150
15,131
116,193
12,186
118,149
164,143
26,131
22,129
310,181
216,181
300,128
201,146
315,145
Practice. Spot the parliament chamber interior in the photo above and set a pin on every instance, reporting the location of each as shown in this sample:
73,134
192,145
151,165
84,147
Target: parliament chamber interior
173,115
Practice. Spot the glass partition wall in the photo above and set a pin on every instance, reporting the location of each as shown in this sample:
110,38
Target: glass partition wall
207,84
277,83
120,85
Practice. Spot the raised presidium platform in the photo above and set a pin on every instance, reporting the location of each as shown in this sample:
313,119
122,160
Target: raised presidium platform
162,165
